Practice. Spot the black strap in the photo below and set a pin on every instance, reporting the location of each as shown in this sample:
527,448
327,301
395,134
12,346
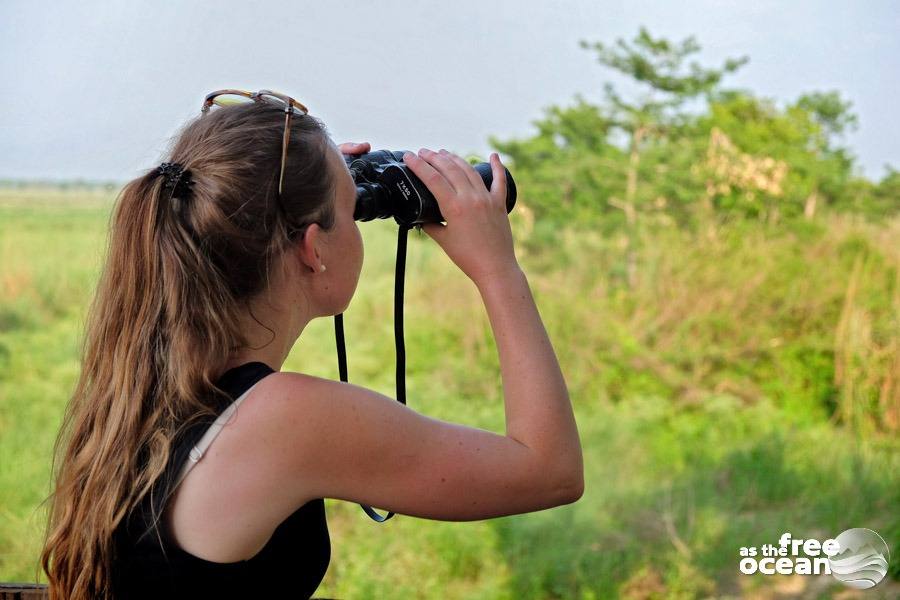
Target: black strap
400,349
342,352
399,346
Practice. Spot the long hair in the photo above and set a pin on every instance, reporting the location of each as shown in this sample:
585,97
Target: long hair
178,276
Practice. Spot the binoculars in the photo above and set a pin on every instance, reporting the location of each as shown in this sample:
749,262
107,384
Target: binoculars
386,187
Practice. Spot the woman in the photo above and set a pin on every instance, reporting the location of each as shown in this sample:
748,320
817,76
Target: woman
211,277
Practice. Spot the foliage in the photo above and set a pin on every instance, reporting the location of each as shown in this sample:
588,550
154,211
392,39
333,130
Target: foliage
687,146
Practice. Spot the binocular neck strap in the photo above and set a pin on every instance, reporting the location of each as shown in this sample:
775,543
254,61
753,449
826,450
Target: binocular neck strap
400,349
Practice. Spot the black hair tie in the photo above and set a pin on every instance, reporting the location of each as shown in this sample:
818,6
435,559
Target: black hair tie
177,179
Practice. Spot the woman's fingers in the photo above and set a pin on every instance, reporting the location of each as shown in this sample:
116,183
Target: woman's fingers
498,185
473,176
442,189
448,168
354,147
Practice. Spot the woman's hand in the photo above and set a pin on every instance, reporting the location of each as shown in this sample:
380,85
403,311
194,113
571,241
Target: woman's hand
354,147
477,236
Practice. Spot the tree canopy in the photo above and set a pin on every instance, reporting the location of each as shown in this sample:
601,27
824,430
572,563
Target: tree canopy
686,145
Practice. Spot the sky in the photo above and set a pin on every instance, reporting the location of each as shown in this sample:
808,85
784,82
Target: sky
96,89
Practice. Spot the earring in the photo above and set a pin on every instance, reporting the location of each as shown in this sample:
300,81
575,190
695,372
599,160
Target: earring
322,270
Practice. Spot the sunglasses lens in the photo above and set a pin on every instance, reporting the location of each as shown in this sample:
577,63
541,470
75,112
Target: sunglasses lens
281,103
231,100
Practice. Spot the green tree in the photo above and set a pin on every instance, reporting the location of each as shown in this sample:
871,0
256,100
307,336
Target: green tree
669,81
684,149
624,155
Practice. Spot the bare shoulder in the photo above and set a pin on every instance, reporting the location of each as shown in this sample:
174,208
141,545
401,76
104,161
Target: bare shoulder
233,498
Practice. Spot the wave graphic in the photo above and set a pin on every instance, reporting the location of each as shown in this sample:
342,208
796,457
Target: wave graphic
863,562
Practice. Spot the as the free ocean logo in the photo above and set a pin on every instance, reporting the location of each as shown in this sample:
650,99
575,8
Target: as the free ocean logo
858,557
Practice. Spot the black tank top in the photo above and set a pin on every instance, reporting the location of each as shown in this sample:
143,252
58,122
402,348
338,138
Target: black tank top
290,565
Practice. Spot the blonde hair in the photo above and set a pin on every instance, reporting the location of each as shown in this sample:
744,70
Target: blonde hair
178,276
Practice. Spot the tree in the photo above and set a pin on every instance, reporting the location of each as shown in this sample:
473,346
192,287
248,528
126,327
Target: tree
661,66
683,143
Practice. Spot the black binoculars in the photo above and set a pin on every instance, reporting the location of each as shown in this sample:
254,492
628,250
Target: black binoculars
386,187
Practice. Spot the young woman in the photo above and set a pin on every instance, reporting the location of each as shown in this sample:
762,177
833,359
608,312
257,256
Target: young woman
211,277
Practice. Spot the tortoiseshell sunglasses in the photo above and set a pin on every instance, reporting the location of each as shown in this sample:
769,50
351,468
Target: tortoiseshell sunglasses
290,106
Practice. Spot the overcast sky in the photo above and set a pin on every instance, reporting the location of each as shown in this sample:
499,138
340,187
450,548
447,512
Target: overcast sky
95,89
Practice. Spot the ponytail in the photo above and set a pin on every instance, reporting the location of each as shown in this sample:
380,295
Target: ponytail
186,253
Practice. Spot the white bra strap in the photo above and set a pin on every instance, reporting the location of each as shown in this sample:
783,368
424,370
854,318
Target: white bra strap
200,448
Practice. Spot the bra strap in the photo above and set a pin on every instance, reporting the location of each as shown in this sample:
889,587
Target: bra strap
200,448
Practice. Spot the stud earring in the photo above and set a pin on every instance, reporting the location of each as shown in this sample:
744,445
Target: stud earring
322,270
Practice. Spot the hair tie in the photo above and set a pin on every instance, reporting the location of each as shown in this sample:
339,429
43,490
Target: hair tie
177,178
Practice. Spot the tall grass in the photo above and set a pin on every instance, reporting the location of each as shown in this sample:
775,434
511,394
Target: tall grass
730,384
804,314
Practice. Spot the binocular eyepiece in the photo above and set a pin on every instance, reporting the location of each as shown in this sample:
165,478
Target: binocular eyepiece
386,187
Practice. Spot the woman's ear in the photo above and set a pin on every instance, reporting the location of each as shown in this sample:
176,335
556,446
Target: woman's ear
307,248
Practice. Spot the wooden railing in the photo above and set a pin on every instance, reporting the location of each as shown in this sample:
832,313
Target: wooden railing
37,591
23,591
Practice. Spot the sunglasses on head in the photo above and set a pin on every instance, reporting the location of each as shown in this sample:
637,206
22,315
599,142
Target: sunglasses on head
288,104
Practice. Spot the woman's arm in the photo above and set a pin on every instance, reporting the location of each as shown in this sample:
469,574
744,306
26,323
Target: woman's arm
538,411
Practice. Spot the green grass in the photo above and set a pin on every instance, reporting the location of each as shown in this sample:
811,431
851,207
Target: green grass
710,407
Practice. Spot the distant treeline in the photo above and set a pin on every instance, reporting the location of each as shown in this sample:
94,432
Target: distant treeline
57,184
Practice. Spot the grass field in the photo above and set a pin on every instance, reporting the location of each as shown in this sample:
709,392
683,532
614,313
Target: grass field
733,385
